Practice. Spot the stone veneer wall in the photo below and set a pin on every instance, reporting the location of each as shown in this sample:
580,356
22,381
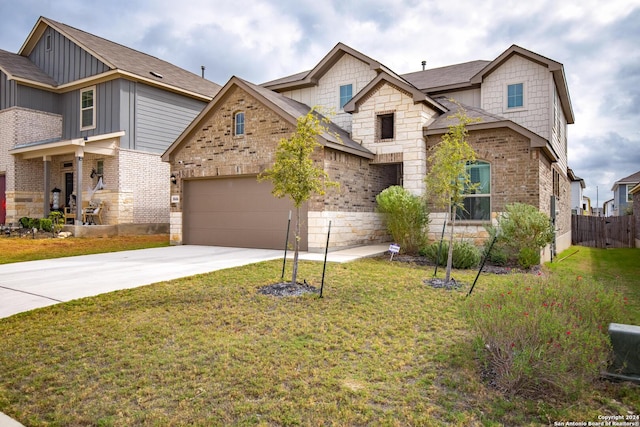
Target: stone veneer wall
18,126
408,142
537,79
326,94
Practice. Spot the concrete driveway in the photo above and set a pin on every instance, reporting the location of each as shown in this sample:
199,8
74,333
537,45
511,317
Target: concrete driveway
29,285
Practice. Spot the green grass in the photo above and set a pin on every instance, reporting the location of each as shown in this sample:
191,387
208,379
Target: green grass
381,348
20,249
618,269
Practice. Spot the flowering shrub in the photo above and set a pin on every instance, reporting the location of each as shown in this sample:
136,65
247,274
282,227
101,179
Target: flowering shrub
544,337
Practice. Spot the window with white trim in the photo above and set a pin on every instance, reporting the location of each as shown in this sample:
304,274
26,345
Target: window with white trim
238,124
87,108
515,95
477,199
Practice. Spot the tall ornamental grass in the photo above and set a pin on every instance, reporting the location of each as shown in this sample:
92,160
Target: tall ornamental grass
544,337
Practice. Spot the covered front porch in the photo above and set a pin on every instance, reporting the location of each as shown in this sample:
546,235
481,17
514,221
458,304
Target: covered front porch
71,174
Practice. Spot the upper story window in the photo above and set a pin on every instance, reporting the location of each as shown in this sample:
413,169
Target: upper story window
385,126
346,93
47,42
515,95
238,124
629,195
87,108
477,199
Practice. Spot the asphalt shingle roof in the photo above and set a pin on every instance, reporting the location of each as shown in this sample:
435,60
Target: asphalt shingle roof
445,76
447,119
131,61
20,67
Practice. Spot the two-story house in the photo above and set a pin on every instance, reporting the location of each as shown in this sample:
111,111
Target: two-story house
388,122
622,195
580,204
84,118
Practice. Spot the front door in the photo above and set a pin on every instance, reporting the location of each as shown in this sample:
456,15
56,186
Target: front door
68,187
3,199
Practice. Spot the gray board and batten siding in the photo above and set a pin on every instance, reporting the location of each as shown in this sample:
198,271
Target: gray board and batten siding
8,92
63,60
150,117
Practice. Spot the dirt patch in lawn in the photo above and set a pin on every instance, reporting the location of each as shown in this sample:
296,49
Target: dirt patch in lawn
288,289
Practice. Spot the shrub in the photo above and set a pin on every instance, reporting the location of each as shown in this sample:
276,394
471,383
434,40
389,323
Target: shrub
405,216
524,230
29,223
465,254
46,224
57,221
544,338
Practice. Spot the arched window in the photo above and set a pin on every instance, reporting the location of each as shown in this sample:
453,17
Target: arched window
238,124
477,200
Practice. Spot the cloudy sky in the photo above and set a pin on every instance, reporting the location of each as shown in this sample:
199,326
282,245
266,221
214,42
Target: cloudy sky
597,41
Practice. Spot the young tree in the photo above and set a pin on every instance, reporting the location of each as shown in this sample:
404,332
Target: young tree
294,174
448,179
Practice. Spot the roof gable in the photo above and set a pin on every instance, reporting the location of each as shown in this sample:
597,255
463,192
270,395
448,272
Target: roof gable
556,68
312,77
418,96
125,61
631,179
287,108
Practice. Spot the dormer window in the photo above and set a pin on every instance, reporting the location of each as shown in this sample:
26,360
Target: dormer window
87,108
238,124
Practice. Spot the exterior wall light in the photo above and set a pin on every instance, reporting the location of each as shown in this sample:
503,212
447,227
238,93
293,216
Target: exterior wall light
174,180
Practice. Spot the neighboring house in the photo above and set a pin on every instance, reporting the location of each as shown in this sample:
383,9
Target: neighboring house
388,123
580,205
90,118
607,208
622,193
635,194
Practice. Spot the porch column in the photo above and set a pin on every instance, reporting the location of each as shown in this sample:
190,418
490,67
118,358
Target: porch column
47,185
78,186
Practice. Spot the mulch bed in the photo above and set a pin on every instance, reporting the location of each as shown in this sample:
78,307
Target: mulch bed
288,289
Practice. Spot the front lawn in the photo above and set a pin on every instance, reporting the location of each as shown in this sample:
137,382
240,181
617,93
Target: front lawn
381,348
20,249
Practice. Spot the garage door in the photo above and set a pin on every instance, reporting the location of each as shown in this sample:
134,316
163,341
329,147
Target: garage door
237,212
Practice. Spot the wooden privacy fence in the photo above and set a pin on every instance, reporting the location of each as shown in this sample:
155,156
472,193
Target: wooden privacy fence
603,231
